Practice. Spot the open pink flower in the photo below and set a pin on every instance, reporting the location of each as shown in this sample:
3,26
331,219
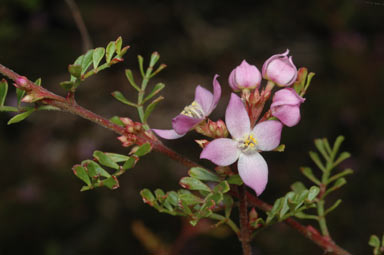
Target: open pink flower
245,76
286,106
280,69
245,145
193,114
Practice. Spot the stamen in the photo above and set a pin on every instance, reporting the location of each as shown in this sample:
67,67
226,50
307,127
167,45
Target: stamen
194,110
247,144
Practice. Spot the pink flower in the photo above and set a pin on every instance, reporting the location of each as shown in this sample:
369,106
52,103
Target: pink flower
280,69
193,114
286,106
245,76
245,145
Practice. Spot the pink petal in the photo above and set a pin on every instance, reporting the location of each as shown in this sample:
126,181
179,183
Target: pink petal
236,117
182,123
287,96
288,114
167,133
247,76
280,69
253,170
267,134
204,98
222,151
216,94
232,81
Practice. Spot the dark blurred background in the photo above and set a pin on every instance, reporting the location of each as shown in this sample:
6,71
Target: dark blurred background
41,208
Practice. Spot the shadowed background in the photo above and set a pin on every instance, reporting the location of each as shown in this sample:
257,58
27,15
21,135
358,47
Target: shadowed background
41,208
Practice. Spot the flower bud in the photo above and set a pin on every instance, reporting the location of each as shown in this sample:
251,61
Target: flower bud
245,76
280,69
286,106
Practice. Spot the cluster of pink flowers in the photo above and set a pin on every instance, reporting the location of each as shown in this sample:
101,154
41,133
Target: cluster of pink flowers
247,141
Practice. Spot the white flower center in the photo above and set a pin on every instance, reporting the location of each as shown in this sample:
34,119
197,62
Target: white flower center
194,110
247,144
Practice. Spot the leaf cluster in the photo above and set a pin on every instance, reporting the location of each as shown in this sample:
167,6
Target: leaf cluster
94,172
203,194
88,64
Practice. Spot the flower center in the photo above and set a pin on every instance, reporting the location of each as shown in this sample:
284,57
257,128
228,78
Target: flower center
247,144
194,110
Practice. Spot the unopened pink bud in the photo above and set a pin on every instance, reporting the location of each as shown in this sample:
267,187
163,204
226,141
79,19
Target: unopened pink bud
286,106
245,76
280,69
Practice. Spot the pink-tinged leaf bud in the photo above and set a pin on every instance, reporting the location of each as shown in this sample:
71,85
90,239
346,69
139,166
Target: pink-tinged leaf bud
21,81
280,69
286,106
245,76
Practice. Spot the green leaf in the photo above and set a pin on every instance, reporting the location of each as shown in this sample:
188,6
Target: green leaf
315,158
119,96
141,65
284,207
105,160
321,148
203,174
333,207
337,144
298,187
67,85
172,198
111,182
20,117
82,174
86,61
228,203
94,169
116,120
313,192
38,82
189,198
97,56
158,87
154,58
193,184
75,70
130,163
307,172
343,156
129,75
117,157
337,184
222,187
151,107
148,197
118,44
79,60
337,176
110,50
143,149
19,94
374,241
8,109
235,179
3,91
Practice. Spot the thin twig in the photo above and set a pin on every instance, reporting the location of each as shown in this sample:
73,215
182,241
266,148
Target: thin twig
245,237
86,39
